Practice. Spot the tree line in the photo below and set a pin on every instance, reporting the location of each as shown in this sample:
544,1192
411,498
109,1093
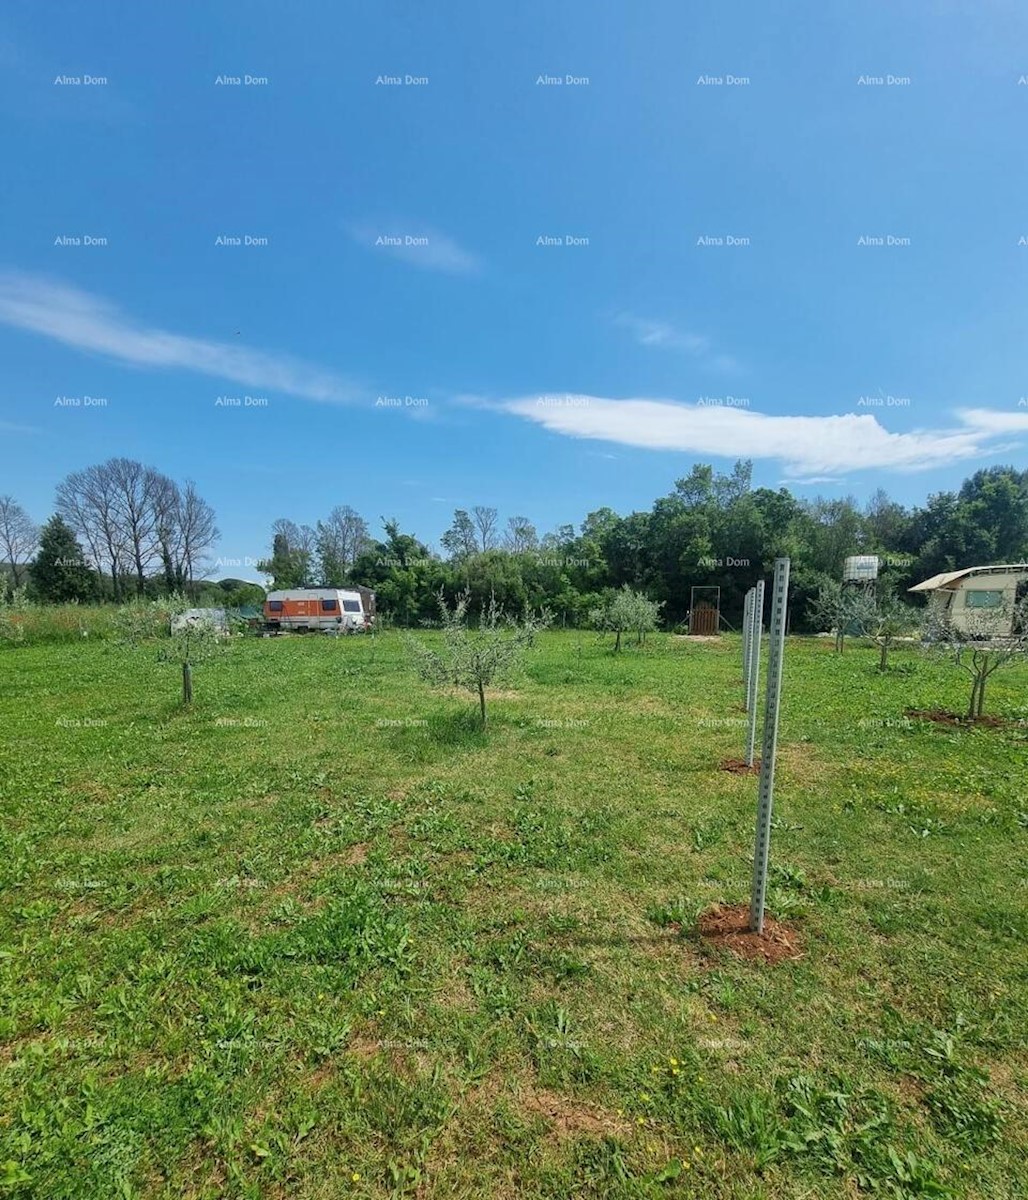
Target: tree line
120,529
138,532
712,530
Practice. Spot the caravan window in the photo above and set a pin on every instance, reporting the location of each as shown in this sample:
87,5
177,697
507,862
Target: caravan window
275,605
328,606
351,606
984,599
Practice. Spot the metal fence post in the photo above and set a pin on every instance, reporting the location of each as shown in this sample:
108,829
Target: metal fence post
765,795
753,673
747,610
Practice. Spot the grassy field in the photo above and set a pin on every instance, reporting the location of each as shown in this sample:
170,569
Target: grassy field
319,937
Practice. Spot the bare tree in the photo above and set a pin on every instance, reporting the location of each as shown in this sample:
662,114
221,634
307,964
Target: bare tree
18,535
88,502
167,501
484,520
340,540
135,490
197,528
521,535
301,542
131,517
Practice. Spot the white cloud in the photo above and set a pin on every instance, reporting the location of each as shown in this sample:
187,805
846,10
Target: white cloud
810,447
421,247
664,336
991,420
90,323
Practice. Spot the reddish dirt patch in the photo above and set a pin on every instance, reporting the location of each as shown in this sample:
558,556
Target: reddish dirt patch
942,716
738,766
729,926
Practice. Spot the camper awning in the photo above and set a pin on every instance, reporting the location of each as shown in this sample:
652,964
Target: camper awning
947,577
939,581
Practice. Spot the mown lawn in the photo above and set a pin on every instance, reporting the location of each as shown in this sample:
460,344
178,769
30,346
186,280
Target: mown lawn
319,937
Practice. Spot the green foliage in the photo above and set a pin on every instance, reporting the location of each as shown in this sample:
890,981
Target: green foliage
475,658
879,615
623,611
989,638
14,607
59,573
143,622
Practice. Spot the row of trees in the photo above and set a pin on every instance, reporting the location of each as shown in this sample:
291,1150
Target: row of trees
142,533
711,529
135,529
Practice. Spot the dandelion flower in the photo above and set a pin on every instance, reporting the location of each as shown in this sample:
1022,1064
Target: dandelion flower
356,1176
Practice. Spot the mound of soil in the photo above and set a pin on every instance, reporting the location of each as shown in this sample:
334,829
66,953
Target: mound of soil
729,926
942,716
737,766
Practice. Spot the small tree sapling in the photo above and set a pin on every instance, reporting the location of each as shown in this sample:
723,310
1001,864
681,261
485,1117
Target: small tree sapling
624,611
185,644
988,638
475,658
879,616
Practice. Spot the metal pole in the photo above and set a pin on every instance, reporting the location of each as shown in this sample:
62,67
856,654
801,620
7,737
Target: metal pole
747,609
765,795
753,674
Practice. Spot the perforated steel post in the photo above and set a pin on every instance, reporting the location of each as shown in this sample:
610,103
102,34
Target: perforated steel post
753,672
765,794
747,610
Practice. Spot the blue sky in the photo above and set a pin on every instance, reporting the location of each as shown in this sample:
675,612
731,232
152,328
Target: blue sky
546,379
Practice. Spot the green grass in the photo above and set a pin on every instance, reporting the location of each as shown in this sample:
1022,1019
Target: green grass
320,937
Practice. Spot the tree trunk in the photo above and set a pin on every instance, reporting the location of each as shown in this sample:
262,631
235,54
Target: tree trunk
885,654
481,702
981,696
972,710
617,643
187,683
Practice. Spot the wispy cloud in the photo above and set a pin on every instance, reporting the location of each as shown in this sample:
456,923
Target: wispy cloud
417,245
664,336
810,447
11,427
87,322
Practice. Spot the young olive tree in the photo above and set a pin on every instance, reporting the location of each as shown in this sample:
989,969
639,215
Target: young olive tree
881,617
832,610
625,611
987,639
474,658
185,643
